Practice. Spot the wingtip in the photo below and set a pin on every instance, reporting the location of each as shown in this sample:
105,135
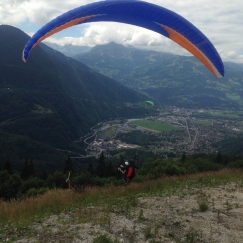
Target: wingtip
23,58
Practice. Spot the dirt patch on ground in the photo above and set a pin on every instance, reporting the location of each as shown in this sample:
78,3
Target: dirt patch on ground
204,215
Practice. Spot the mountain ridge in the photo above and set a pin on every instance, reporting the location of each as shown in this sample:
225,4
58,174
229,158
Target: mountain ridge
54,99
171,79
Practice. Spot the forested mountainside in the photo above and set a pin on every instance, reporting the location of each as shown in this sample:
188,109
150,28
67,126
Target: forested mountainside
53,99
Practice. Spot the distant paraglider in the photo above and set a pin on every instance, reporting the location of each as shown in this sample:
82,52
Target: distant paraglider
148,102
139,13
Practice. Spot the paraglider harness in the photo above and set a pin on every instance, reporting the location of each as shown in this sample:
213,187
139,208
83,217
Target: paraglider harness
129,170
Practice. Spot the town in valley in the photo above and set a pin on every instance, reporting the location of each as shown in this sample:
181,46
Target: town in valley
191,131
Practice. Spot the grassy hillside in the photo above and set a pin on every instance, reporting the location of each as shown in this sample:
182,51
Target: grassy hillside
198,208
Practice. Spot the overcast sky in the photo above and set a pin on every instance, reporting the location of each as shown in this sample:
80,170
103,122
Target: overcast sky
220,20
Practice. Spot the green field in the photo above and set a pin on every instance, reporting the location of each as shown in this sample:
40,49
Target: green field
108,133
226,115
203,123
218,115
154,125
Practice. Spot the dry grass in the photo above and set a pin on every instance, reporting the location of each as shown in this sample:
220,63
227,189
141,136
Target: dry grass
55,201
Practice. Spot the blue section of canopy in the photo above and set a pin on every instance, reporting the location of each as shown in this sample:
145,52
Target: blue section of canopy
139,13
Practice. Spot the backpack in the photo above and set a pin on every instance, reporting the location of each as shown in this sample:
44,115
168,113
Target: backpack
131,172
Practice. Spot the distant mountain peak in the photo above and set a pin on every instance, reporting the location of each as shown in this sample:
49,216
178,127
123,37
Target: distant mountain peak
172,79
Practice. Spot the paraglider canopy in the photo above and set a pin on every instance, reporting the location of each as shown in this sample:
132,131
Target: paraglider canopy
148,102
139,13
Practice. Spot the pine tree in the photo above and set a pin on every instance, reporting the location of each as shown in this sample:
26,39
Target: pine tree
31,168
25,170
90,169
101,167
7,166
183,158
219,158
28,169
226,160
68,167
109,169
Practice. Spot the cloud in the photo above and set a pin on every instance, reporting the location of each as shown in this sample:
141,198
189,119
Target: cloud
100,33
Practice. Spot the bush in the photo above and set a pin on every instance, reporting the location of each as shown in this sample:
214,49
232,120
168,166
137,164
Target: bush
33,192
171,170
82,179
12,186
102,239
33,182
57,179
203,206
236,164
206,165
